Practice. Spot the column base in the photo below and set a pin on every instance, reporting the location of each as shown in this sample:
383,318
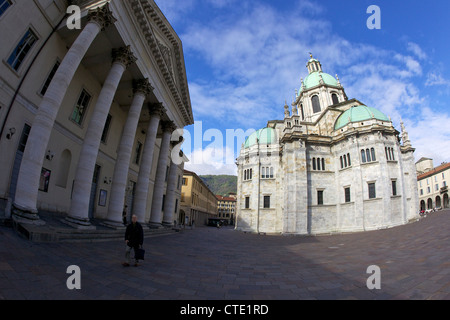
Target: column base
113,225
168,224
155,225
22,215
81,224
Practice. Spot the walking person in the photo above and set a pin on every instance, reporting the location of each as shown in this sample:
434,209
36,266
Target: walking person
134,239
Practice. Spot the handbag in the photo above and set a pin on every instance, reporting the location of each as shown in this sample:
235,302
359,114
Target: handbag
139,254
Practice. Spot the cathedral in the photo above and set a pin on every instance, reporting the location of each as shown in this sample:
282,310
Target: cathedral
331,165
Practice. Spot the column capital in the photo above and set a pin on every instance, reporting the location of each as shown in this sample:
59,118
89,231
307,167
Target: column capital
103,16
168,126
123,55
142,86
157,109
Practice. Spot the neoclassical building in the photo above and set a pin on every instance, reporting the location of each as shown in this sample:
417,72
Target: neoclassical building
331,165
87,114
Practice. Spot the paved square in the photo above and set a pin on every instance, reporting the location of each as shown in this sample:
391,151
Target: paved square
222,264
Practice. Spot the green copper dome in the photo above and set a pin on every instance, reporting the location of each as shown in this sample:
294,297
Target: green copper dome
313,79
357,114
264,136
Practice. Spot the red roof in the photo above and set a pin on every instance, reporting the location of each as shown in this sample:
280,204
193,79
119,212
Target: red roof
436,170
220,198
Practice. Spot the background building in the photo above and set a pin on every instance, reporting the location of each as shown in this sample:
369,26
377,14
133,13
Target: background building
226,207
432,184
332,165
198,202
87,114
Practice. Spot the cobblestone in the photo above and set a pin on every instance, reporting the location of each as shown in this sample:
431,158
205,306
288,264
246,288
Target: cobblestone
221,264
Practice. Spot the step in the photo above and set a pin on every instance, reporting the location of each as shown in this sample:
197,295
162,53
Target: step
48,233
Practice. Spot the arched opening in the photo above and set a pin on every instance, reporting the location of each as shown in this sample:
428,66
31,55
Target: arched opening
368,155
316,104
422,205
64,169
363,156
429,203
445,200
181,217
438,202
334,98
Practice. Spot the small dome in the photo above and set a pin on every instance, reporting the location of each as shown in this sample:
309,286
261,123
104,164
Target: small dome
357,114
264,136
313,79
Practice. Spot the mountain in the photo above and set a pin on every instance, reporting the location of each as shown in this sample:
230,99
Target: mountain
221,184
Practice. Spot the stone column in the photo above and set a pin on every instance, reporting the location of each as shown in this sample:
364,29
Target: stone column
143,182
25,204
158,191
119,183
79,210
169,205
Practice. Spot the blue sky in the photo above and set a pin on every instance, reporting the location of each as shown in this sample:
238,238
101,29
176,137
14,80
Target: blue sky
244,59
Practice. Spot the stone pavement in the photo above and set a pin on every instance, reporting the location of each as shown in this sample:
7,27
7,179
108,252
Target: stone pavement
223,264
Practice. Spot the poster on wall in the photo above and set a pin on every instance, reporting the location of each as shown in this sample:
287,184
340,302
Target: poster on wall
102,198
44,180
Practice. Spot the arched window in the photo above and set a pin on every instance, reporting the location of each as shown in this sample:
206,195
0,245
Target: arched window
392,152
387,153
64,168
368,155
335,98
323,164
318,163
345,161
263,172
363,156
348,159
271,173
251,173
342,163
372,151
301,110
316,104
314,163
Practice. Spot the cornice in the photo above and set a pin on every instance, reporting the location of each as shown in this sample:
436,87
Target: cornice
144,10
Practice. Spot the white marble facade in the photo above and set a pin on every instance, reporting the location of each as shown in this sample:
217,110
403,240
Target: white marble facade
318,181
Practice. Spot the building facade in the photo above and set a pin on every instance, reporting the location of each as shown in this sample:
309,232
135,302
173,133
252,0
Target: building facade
332,165
87,114
226,207
198,202
432,184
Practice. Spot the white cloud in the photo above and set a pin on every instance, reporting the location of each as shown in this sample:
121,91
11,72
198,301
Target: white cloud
436,79
430,136
415,48
175,10
258,56
211,160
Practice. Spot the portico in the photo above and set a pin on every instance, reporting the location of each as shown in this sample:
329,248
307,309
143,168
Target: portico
133,96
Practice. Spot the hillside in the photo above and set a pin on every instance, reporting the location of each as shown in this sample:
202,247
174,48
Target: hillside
221,184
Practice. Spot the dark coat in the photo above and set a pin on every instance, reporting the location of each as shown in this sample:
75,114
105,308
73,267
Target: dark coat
134,235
